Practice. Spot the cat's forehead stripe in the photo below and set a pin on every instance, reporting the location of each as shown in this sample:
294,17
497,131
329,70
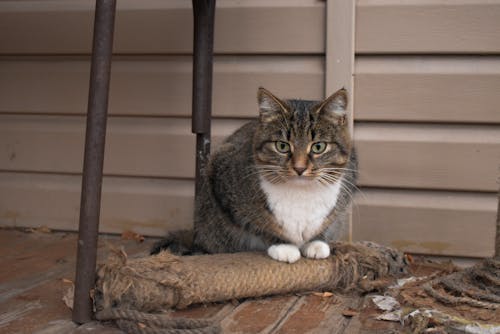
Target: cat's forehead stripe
301,117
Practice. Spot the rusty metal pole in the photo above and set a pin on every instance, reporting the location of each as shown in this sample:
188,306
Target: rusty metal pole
93,159
203,17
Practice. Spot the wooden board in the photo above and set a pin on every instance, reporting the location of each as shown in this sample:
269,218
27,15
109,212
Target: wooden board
39,276
35,306
156,26
425,27
427,89
339,62
391,155
439,223
156,86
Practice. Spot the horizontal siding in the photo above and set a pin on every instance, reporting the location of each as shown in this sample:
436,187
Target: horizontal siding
413,156
425,27
427,77
159,147
428,89
438,223
428,156
156,86
428,185
147,206
157,26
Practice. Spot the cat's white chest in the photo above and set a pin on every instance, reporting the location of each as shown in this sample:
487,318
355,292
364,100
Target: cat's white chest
301,207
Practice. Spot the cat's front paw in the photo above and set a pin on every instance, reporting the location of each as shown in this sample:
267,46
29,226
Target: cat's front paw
316,249
284,253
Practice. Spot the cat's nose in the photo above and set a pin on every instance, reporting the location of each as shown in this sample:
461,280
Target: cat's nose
299,169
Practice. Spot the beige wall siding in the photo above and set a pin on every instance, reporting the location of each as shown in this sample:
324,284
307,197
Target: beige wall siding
163,27
400,156
426,107
427,26
149,165
150,206
429,156
149,147
444,223
426,98
427,222
155,86
458,89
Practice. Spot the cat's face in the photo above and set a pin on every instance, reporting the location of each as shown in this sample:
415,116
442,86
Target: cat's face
302,141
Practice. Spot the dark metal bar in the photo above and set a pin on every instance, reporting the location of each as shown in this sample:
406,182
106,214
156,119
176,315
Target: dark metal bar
497,237
203,15
94,158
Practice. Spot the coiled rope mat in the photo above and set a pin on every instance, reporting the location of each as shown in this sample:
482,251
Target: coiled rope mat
455,300
128,290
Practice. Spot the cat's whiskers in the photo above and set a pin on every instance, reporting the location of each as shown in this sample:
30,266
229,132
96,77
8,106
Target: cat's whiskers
353,187
272,173
344,200
276,179
335,169
262,170
331,179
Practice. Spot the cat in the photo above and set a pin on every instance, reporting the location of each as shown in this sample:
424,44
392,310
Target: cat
281,183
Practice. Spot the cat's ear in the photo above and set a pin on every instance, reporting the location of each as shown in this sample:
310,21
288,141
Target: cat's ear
269,105
334,107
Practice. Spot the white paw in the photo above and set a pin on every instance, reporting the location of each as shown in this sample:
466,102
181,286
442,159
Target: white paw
284,252
316,250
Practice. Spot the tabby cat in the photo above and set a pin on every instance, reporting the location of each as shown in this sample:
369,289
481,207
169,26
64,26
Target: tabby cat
281,184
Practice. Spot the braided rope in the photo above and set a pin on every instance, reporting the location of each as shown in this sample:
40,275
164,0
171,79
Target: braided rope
135,322
164,281
466,283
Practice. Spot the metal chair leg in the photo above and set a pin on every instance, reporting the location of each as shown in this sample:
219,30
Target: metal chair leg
94,158
204,15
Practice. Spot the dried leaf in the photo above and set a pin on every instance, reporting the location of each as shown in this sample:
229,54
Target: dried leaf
68,296
325,294
386,303
131,235
391,316
349,312
43,229
40,229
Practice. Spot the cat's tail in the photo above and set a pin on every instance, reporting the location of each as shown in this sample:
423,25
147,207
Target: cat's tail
178,242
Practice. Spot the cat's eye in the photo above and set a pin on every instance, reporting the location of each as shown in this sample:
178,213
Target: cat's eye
282,147
318,147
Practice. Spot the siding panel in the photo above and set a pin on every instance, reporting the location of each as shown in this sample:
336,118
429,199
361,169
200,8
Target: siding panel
55,27
428,156
413,156
438,223
425,27
147,206
428,89
157,86
160,147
